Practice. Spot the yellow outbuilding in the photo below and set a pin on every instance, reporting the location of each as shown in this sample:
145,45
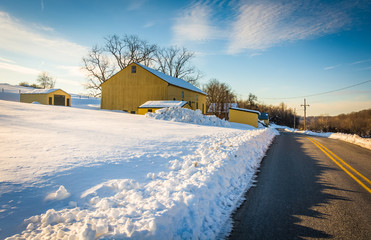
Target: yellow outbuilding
47,97
245,116
152,106
136,84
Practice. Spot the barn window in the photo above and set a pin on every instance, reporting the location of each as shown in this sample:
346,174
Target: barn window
182,94
149,110
50,101
196,105
133,69
196,98
132,112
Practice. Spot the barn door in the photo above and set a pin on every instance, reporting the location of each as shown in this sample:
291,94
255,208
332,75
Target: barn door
59,100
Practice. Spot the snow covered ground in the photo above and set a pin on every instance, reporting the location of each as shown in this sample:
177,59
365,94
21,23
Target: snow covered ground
75,173
11,93
351,138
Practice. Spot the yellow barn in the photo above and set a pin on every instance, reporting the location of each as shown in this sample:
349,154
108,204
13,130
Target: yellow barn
136,84
47,97
245,116
152,106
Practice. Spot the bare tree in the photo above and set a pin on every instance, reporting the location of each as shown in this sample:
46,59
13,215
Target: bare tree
98,68
219,95
252,100
120,51
45,80
128,49
176,62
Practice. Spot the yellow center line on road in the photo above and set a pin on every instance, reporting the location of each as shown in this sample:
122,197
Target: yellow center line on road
341,166
342,161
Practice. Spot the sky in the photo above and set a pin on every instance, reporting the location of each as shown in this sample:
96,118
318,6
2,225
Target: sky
279,50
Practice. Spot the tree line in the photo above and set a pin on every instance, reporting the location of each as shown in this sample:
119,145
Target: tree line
353,123
220,96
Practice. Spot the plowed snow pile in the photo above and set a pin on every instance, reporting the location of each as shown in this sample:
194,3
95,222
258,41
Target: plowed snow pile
88,174
177,114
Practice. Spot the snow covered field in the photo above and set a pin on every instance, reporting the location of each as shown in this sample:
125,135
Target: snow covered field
73,173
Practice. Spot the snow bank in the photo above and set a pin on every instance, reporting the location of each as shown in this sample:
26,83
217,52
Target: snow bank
351,138
355,139
192,201
177,114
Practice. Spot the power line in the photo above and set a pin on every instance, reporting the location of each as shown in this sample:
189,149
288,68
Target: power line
317,94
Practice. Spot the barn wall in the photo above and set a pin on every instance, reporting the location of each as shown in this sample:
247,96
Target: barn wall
244,117
127,91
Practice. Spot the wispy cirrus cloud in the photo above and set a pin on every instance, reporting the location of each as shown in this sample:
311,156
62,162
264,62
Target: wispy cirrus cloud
6,60
331,67
195,24
35,40
18,68
135,5
264,24
361,62
259,25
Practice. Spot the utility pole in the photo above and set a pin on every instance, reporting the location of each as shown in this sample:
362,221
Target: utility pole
294,117
305,113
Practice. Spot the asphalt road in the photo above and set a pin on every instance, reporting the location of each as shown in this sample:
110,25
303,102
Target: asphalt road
302,194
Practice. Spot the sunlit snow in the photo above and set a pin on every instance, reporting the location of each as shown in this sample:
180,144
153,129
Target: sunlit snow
73,173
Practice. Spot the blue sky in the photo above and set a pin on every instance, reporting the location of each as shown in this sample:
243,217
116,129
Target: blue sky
277,50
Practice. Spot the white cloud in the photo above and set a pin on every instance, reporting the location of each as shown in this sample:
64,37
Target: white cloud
331,67
361,62
261,25
17,37
135,5
18,68
74,71
6,60
195,24
149,24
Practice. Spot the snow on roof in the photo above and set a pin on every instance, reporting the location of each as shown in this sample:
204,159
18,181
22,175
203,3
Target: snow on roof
42,91
245,110
172,80
163,104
